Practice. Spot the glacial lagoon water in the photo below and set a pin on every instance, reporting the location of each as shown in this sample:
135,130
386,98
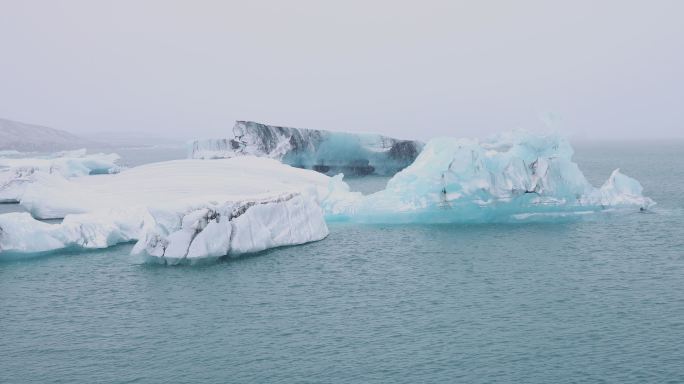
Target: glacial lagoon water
597,300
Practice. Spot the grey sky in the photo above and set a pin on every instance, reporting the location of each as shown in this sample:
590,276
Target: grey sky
411,69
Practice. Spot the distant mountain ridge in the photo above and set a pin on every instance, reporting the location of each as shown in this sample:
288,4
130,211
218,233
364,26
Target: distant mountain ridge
25,137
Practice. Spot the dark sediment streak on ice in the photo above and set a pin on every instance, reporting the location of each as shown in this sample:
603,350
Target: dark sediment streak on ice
323,151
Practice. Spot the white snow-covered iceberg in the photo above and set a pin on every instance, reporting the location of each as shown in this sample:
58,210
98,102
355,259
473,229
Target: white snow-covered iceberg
22,234
177,232
323,151
236,205
17,169
507,178
241,178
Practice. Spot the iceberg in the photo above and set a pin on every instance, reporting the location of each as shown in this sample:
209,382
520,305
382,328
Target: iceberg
66,163
174,233
502,179
183,211
20,233
323,151
176,210
17,170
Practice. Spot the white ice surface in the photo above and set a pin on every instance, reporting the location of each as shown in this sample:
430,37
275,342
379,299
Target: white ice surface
17,169
241,178
21,233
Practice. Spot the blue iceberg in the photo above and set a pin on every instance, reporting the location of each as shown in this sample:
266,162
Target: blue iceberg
323,151
507,178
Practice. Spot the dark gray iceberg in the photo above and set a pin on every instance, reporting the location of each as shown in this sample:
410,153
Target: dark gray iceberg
324,151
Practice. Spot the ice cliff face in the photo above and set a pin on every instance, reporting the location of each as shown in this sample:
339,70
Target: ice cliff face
323,151
174,233
507,178
234,228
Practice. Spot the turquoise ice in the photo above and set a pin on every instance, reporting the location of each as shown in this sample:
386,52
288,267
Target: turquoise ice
510,177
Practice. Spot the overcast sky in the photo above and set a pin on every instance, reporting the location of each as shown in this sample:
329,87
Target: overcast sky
410,69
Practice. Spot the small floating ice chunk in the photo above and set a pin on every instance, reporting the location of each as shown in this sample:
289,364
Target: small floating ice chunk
622,190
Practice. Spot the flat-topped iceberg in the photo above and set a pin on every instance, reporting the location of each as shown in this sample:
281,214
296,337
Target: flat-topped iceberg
507,178
19,169
323,151
237,205
241,178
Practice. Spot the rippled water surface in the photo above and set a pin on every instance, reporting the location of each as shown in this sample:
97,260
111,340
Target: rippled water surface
591,301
